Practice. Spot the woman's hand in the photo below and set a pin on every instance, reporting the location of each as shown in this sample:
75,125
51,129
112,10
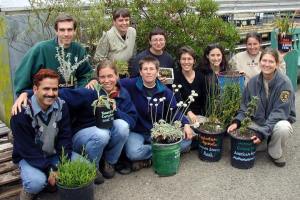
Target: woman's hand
192,117
188,132
232,128
91,84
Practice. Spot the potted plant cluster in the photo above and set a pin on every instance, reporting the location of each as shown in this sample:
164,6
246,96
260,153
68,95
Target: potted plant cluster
167,134
76,179
221,107
66,68
103,108
242,147
286,27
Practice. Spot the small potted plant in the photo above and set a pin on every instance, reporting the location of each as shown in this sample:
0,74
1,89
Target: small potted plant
167,134
286,27
242,147
103,108
76,179
221,107
122,68
66,68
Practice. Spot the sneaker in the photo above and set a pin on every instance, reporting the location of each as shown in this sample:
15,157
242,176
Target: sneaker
26,196
99,178
137,165
108,170
280,162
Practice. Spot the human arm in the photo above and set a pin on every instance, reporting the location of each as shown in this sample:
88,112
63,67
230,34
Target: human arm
102,49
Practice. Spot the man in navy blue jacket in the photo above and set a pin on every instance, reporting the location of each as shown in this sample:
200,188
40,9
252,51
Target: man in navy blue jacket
40,132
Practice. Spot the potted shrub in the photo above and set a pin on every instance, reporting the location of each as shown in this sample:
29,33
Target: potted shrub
103,108
167,134
220,111
76,179
231,77
66,69
242,147
122,68
286,27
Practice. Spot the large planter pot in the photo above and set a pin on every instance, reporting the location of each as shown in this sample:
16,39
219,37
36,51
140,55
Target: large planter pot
166,158
210,145
104,117
231,77
242,152
285,42
85,192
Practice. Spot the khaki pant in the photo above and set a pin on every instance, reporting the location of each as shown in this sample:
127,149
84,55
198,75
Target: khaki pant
276,143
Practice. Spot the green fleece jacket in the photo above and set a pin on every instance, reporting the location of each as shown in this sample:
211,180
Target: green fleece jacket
42,55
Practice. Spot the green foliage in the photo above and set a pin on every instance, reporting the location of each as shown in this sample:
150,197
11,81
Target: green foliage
122,67
251,109
285,24
75,173
102,100
195,24
230,102
165,133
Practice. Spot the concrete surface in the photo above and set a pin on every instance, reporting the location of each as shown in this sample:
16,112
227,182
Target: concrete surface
202,180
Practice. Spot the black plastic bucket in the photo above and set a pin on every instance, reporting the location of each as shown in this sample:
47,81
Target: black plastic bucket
85,192
104,117
242,153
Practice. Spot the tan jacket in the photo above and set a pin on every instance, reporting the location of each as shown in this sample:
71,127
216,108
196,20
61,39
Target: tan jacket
113,47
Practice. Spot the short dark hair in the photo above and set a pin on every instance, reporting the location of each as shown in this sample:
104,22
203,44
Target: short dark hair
120,12
44,73
149,59
107,63
157,31
272,52
205,65
64,17
187,49
255,35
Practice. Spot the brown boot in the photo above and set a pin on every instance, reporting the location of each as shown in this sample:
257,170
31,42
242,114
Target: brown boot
26,196
108,170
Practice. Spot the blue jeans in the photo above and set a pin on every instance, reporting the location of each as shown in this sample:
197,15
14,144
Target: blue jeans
138,146
95,140
33,179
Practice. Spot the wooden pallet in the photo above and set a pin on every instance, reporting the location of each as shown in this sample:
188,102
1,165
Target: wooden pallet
9,173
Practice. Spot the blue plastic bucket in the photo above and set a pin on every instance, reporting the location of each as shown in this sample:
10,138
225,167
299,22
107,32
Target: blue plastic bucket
225,78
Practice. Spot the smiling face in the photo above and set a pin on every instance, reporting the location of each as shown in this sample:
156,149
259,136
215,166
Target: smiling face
157,43
122,24
253,46
149,73
215,57
46,92
108,78
65,33
268,66
186,62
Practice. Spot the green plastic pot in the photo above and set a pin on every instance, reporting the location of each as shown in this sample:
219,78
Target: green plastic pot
166,158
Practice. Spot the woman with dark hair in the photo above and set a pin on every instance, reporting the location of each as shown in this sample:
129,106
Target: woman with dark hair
213,60
275,109
190,79
247,62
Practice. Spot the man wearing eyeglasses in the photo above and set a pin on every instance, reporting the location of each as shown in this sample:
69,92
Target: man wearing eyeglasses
157,41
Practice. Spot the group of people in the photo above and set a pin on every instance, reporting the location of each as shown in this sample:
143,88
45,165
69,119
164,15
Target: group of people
47,118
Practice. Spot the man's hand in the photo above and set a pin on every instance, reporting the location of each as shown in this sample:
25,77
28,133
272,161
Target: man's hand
52,178
91,84
21,100
188,132
232,128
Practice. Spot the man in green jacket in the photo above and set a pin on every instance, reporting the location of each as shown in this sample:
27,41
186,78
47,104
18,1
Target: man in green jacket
43,55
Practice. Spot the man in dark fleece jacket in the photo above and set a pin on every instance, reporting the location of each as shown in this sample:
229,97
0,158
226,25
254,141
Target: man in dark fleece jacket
40,132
